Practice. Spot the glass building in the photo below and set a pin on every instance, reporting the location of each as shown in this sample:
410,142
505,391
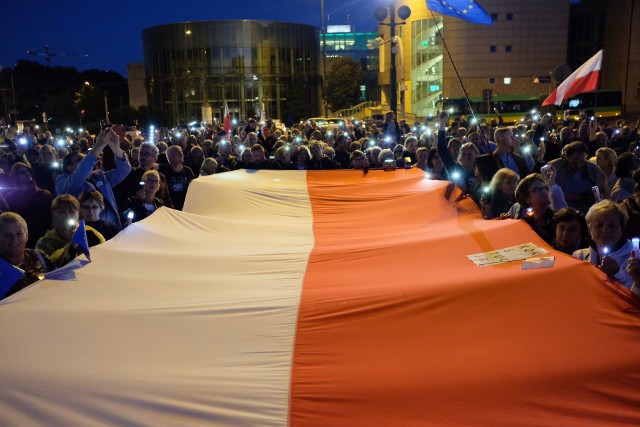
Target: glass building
194,67
341,41
426,66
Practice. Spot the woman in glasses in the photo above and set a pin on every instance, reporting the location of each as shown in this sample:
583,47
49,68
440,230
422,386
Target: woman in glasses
533,196
91,205
145,201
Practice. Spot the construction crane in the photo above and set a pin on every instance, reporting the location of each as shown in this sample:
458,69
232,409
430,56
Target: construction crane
48,54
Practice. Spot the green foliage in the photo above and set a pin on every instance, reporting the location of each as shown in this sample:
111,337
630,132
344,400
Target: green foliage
90,99
343,83
60,92
298,105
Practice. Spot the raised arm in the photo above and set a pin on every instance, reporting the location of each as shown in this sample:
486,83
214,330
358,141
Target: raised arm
443,150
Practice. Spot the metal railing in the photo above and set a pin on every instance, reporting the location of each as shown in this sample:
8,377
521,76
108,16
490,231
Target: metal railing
356,110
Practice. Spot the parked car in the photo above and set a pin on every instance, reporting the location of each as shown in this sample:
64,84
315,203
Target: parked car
377,119
329,124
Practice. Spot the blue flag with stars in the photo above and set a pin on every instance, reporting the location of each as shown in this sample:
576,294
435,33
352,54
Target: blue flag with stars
469,10
80,238
9,275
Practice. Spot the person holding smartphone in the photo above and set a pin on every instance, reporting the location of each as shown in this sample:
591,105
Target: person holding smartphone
78,174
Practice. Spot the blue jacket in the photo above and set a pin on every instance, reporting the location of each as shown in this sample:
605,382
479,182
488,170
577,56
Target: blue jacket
85,179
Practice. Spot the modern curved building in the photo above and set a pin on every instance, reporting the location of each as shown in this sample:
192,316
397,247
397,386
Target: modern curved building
192,68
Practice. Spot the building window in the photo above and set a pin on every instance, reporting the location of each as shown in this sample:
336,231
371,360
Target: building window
509,16
494,16
492,49
507,80
492,80
507,49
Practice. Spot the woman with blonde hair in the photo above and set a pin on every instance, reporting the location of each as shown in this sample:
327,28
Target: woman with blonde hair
13,241
610,250
606,159
500,195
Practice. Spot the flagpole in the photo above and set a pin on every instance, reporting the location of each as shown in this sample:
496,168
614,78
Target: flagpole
464,90
64,255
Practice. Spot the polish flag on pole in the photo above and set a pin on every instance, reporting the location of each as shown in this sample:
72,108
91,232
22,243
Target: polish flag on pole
263,120
227,119
584,79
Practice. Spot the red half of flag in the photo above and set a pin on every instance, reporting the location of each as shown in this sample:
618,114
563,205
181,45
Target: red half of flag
227,119
584,79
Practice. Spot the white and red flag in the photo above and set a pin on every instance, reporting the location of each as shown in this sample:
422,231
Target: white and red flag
584,79
263,120
262,304
227,119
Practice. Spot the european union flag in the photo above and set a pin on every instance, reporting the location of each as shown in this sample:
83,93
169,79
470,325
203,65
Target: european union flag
9,275
469,10
80,238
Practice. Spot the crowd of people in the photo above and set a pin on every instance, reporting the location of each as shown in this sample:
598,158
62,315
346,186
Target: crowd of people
575,181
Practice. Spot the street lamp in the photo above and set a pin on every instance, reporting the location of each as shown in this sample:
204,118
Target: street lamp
396,43
324,62
381,14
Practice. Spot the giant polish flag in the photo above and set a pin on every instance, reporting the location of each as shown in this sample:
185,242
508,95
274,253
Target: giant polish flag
321,298
584,79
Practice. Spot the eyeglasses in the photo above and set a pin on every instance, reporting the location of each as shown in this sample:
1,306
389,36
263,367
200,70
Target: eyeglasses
143,154
152,181
90,207
538,189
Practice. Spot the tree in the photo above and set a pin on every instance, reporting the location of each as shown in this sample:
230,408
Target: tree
298,105
343,83
91,99
60,92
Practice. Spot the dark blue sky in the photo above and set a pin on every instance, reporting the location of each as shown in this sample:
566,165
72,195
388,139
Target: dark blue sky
111,35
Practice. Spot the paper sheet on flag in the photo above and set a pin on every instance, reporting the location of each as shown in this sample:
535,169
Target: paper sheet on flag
512,253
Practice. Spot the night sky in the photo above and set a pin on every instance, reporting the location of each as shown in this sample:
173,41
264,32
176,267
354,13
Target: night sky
111,36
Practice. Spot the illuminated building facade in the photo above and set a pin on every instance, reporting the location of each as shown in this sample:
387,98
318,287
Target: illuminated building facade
342,41
194,67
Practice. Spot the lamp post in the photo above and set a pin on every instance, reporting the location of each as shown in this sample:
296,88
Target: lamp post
381,14
397,43
324,62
